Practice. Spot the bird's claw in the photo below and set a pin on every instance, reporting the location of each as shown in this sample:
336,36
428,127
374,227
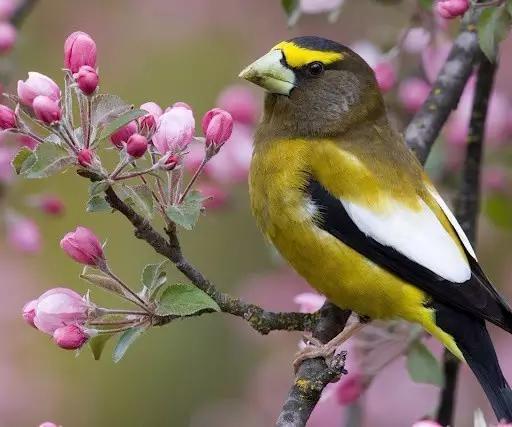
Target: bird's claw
312,351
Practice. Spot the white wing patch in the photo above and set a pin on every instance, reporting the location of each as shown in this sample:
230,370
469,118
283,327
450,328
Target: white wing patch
416,234
453,221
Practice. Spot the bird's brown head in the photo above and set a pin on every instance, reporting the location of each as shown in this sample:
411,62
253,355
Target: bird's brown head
315,87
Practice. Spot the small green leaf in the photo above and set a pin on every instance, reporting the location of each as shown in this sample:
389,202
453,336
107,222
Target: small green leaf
423,367
24,156
290,6
183,300
493,27
98,204
103,282
498,207
98,187
106,108
120,122
187,212
126,339
154,276
141,199
426,4
49,160
97,344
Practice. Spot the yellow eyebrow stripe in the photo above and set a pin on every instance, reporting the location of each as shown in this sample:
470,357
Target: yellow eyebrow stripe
297,56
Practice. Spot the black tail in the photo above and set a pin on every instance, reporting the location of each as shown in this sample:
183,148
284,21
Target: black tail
474,341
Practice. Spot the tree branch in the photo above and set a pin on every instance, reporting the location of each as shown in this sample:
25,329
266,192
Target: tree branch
23,10
467,207
420,136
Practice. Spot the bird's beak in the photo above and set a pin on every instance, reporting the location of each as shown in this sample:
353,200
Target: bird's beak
270,73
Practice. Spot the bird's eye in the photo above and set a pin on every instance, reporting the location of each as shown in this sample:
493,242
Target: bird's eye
316,68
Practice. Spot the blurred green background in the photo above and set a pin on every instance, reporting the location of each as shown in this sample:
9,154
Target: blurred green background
164,51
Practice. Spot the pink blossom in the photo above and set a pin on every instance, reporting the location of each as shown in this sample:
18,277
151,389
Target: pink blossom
350,388
35,85
48,424
137,145
51,204
179,104
412,93
426,423
217,127
175,130
7,118
416,40
83,246
79,50
87,79
85,157
240,102
449,9
23,235
319,6
29,312
433,58
60,307
148,122
368,51
7,9
121,135
217,197
385,75
46,109
70,337
152,108
494,179
309,302
8,36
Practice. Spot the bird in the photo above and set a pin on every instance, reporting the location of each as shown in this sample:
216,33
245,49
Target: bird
339,194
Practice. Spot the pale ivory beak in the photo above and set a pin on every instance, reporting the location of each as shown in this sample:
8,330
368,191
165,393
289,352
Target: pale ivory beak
269,73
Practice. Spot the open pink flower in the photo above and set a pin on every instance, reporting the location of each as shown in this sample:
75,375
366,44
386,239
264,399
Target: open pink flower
83,246
37,84
175,130
60,307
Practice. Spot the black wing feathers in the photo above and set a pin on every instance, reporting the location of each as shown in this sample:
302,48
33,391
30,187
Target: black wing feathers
476,296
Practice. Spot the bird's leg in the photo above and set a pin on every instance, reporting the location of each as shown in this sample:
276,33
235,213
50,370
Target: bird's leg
316,349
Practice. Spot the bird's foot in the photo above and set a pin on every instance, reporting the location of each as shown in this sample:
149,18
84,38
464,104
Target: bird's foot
313,350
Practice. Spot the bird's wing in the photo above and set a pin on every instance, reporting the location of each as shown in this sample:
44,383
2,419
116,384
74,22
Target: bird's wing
415,246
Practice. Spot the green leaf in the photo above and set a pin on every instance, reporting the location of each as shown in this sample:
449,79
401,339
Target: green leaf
426,4
98,187
498,208
49,160
103,282
140,198
423,367
126,339
290,6
187,212
24,156
509,7
121,121
154,276
106,108
493,27
98,204
183,300
97,344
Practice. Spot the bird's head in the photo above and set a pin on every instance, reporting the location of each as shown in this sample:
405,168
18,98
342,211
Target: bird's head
315,86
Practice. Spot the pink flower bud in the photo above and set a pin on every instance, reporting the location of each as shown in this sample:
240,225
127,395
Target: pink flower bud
51,205
79,50
171,162
85,157
240,102
7,118
60,307
23,234
175,130
27,141
7,9
48,424
148,124
46,109
309,302
7,36
136,145
152,108
349,389
70,337
29,312
217,127
449,9
87,79
426,423
412,93
385,75
83,246
121,135
416,40
37,84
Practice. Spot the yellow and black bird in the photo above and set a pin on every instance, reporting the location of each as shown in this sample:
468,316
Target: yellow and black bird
342,198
